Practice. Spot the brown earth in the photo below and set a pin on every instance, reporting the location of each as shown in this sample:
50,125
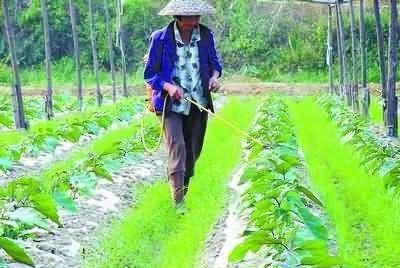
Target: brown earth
230,86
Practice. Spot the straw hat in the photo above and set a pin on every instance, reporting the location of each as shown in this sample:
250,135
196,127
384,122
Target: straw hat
187,8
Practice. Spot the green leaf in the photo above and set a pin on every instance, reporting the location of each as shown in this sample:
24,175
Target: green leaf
321,261
249,173
15,251
313,223
112,165
313,245
50,144
309,194
388,166
65,201
84,182
252,243
30,217
6,121
93,128
348,137
16,151
5,163
102,173
45,204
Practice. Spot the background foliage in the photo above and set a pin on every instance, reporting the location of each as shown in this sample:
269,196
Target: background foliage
257,38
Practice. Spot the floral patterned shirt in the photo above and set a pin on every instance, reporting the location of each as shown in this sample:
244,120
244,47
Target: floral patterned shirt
187,72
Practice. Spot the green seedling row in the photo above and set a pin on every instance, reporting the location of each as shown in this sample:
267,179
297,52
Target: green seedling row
34,201
283,213
46,136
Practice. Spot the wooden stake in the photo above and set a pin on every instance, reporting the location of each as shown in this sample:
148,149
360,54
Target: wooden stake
330,51
110,50
354,44
99,96
392,70
344,61
16,91
340,50
366,98
46,30
75,36
382,62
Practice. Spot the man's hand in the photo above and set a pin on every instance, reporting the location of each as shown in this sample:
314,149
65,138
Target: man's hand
214,84
175,92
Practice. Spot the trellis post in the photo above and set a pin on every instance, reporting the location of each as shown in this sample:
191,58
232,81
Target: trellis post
382,62
339,45
46,30
16,92
76,53
343,48
99,96
354,45
330,50
366,98
392,70
120,43
110,50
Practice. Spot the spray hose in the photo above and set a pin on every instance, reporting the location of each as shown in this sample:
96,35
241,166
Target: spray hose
142,131
201,108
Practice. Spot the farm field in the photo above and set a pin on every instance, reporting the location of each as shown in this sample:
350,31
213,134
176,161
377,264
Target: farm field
199,134
312,196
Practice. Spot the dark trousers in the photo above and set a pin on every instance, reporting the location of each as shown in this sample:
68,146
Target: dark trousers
184,139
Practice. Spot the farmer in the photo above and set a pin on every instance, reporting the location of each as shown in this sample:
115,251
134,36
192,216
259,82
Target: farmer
183,63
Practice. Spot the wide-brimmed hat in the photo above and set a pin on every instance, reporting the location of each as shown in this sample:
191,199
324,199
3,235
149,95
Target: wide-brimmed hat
187,8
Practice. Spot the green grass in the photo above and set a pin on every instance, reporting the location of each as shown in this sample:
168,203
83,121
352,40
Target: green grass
313,77
376,110
364,215
8,138
63,75
152,234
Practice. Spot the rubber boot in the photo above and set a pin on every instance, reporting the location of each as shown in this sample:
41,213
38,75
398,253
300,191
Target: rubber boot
177,187
186,185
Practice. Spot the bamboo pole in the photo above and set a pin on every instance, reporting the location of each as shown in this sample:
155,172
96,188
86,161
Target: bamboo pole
49,95
392,70
354,44
99,96
120,43
344,60
110,50
77,54
382,62
339,45
16,91
330,50
366,98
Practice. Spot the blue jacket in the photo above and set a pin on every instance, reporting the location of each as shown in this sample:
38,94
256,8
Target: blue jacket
161,62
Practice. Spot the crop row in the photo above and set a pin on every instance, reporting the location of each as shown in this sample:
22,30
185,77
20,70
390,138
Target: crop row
283,214
380,154
46,136
34,201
